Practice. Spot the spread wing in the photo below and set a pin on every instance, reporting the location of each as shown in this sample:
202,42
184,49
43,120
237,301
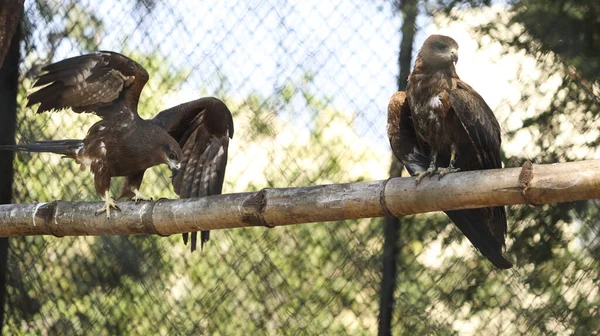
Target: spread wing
480,124
202,128
104,82
402,135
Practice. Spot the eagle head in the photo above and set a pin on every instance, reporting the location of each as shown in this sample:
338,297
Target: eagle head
171,154
439,51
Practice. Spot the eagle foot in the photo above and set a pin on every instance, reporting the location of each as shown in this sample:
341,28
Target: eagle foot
445,171
421,175
138,196
109,202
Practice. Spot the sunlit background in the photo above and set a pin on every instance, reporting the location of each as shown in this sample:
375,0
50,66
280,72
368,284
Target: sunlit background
308,83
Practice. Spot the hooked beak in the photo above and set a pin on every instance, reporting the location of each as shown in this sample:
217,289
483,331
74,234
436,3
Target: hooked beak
454,56
175,167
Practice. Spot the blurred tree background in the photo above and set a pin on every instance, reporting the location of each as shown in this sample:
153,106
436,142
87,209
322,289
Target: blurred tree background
308,84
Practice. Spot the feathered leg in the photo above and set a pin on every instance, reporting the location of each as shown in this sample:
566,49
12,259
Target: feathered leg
131,188
450,168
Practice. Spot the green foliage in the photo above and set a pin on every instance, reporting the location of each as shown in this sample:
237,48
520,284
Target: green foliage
325,275
569,29
84,27
321,278
555,247
553,243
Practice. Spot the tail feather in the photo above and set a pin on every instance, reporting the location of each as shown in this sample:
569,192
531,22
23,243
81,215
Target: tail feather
193,238
68,147
204,237
474,225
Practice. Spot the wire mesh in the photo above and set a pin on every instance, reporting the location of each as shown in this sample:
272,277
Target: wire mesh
308,84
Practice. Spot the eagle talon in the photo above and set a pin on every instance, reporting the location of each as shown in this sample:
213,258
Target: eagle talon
136,200
445,171
421,175
109,202
138,196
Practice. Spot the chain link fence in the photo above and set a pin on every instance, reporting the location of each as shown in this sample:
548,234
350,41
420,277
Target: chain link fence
308,84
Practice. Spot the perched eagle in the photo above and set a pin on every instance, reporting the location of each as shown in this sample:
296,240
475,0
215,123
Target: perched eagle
191,138
442,122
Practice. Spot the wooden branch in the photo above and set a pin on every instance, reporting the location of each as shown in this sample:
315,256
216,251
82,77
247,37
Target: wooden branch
530,184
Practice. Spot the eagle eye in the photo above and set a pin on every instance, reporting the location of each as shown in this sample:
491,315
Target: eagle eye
172,156
440,46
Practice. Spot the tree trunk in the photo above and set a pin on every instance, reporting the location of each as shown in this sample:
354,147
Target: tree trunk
11,12
9,76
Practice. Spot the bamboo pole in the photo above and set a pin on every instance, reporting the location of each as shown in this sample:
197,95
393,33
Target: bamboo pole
530,184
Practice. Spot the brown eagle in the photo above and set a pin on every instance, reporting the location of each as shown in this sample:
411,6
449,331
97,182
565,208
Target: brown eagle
442,122
191,138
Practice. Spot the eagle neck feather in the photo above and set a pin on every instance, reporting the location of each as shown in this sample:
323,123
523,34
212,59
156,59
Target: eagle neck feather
422,69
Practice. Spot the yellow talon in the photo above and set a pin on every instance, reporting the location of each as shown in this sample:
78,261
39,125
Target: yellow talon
109,202
445,171
138,196
422,175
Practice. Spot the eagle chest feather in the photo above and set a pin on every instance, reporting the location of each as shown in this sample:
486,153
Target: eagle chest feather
104,146
434,121
93,154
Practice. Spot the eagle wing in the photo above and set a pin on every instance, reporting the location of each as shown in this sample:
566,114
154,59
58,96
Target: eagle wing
91,83
483,131
415,157
202,128
402,135
479,123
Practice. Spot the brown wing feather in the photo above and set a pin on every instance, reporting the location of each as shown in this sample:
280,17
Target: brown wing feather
480,124
483,131
97,82
403,138
202,128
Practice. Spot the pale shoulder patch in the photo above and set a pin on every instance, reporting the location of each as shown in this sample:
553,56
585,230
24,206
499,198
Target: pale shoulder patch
86,162
435,102
102,148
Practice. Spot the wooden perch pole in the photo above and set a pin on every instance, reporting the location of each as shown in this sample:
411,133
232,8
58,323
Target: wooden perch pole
530,184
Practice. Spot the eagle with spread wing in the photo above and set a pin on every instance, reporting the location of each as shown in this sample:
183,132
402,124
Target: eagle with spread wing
191,138
441,121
